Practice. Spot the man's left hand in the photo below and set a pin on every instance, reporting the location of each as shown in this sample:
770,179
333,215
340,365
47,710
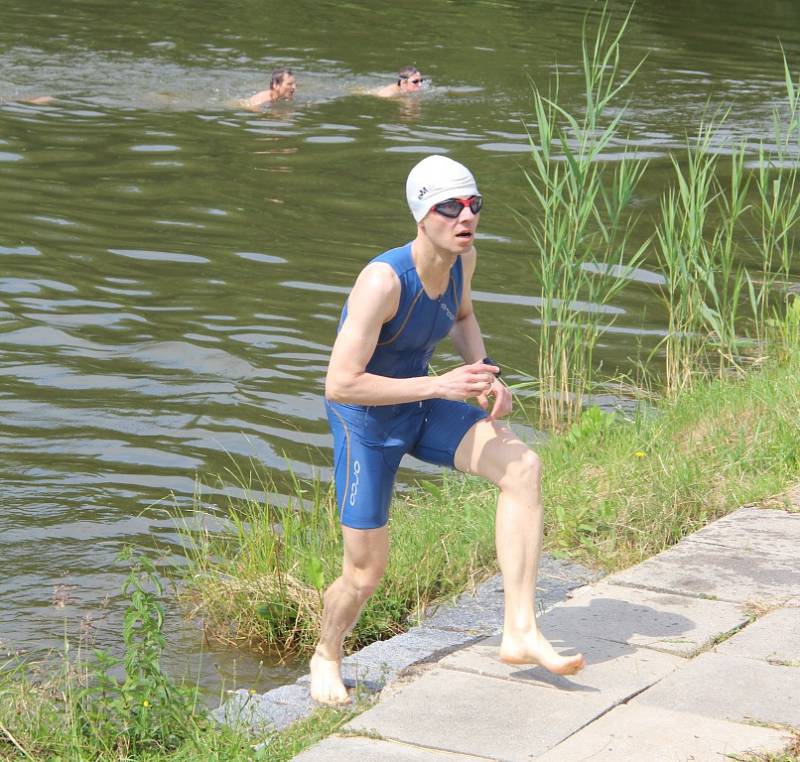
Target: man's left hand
502,400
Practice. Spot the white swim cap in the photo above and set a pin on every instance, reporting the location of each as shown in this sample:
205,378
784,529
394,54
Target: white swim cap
435,179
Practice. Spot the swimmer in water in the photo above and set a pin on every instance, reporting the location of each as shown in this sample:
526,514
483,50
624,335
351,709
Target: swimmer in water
409,80
281,87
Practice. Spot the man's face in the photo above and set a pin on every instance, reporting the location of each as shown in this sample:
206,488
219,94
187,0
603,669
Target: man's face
454,235
286,88
412,83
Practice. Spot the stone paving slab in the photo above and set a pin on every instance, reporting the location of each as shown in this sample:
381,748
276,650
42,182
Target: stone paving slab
774,638
747,530
729,687
677,624
634,734
460,712
352,748
713,571
616,670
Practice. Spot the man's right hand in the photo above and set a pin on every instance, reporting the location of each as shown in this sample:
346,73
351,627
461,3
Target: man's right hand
466,381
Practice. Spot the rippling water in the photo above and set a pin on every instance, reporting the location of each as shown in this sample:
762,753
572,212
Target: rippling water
172,269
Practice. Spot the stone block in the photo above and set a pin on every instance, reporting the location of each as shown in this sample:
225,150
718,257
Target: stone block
347,748
774,638
713,571
729,687
753,530
615,670
468,714
635,733
677,624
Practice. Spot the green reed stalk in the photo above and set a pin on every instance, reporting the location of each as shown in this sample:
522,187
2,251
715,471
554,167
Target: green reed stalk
580,225
698,250
777,211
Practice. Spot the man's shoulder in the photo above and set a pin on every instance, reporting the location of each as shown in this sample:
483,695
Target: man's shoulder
398,258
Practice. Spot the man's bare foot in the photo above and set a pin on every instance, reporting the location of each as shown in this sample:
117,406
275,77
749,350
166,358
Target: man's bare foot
326,681
535,649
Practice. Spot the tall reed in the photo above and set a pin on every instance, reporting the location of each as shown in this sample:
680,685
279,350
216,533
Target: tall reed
700,257
777,182
724,238
581,225
727,250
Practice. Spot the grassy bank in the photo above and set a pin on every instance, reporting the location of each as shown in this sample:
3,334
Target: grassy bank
620,491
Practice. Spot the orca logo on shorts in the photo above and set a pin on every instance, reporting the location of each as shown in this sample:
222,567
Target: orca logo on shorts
354,485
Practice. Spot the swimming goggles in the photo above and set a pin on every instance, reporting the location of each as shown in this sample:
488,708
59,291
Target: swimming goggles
453,207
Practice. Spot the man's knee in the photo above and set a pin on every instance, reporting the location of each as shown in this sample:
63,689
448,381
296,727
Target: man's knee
524,472
363,581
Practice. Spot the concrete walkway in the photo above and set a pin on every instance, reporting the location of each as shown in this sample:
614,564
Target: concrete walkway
693,654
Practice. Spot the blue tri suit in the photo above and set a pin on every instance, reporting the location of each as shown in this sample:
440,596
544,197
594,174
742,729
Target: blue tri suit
369,441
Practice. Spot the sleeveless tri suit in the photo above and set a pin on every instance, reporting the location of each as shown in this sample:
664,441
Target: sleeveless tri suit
370,440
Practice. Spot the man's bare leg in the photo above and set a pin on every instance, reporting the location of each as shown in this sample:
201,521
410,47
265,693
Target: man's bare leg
366,552
491,450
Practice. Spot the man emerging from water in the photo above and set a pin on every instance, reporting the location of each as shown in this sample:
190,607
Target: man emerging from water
382,404
281,87
409,80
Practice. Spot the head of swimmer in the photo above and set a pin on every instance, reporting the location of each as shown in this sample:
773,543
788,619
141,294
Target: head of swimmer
409,79
282,84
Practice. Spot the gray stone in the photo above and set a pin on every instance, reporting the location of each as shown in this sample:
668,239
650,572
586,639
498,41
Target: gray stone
677,624
481,612
380,661
616,670
473,615
634,733
459,712
428,641
375,665
775,638
731,688
713,571
263,713
346,748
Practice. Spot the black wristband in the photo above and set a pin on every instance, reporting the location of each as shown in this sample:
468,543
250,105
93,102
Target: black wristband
488,361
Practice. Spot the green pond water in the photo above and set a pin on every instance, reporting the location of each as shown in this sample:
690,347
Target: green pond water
172,268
